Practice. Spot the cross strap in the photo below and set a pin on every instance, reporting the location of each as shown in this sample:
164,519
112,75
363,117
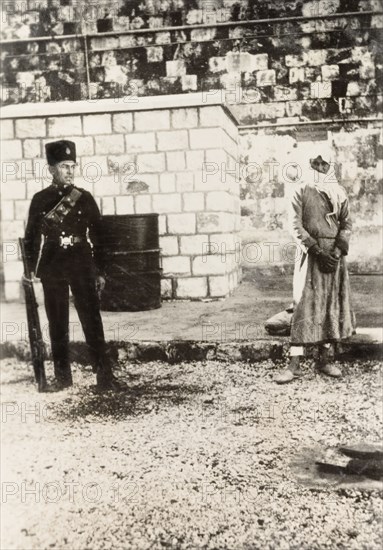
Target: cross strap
59,212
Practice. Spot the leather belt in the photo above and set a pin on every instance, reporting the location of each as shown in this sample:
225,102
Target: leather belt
67,240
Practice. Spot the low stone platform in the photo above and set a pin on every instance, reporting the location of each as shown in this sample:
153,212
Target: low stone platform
229,329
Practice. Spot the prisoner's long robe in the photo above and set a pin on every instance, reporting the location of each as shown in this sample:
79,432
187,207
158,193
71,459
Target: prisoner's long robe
322,301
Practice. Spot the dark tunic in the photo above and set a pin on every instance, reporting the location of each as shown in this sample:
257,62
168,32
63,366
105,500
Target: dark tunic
322,301
73,267
83,221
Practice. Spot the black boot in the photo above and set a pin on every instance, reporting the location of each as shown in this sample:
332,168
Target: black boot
63,375
105,377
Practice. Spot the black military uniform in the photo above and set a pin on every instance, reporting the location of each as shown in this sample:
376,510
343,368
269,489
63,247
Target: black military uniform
68,218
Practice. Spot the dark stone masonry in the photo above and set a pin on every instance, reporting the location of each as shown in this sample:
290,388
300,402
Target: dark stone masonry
282,59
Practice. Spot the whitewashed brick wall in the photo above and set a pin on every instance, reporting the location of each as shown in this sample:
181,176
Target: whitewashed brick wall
185,155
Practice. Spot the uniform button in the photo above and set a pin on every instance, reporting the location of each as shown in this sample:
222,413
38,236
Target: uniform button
63,233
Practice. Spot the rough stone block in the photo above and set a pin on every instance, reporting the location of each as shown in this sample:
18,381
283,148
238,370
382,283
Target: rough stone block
181,224
208,264
320,7
330,72
295,61
189,82
11,150
12,291
195,159
32,148
92,168
167,202
150,179
107,186
6,129
167,182
296,74
213,222
169,245
97,124
12,230
11,190
122,123
30,127
176,265
124,205
137,143
266,78
64,126
320,90
166,288
108,206
219,200
21,209
172,140
13,271
175,161
152,120
214,177
258,62
143,204
184,118
367,71
316,58
353,88
176,67
7,210
109,144
205,138
219,286
217,64
293,108
184,181
191,287
194,244
284,93
210,116
84,146
151,162
193,202
154,54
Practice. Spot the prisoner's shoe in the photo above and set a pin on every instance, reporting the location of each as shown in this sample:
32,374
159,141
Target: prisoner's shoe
284,377
330,370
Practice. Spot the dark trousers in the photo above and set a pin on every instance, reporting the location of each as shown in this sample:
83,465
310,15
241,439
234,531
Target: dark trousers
56,295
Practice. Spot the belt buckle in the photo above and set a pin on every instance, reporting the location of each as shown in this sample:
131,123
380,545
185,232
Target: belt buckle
66,241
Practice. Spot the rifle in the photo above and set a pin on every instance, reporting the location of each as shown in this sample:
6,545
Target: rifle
36,341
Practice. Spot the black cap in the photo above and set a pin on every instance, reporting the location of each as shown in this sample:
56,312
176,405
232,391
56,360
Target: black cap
57,151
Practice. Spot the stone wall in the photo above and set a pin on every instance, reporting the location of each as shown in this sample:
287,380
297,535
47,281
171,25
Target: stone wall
150,158
276,60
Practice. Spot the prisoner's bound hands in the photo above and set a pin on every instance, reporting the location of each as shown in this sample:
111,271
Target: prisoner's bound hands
327,262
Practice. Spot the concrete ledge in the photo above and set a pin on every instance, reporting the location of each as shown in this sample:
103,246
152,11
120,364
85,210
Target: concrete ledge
190,350
119,104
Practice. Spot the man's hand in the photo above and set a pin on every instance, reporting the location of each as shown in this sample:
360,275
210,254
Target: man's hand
25,279
100,284
327,262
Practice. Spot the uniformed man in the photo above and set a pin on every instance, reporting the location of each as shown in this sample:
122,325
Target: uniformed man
67,218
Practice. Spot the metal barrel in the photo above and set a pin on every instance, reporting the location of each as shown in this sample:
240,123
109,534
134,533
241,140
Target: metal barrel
132,263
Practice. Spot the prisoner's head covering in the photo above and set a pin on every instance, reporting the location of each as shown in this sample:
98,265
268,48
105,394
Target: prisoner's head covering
57,151
325,172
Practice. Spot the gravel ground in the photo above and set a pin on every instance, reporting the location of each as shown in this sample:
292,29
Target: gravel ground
202,455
